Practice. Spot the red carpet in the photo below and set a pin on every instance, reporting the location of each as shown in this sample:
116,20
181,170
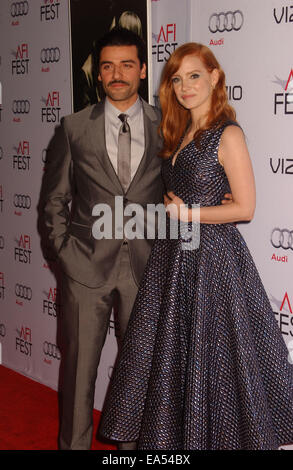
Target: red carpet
29,415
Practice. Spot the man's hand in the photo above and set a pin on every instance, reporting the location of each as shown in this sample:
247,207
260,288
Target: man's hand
227,198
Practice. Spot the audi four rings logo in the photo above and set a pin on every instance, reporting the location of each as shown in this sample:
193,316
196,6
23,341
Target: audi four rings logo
22,201
21,107
226,21
50,55
51,350
23,292
282,238
19,9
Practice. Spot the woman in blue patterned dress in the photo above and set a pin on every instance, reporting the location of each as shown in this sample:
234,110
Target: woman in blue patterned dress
203,365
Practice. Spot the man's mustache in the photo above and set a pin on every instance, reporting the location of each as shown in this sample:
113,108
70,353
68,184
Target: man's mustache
117,81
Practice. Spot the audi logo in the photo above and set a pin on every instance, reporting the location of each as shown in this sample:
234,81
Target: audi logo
282,238
51,54
23,292
2,330
51,350
19,9
22,201
21,107
228,21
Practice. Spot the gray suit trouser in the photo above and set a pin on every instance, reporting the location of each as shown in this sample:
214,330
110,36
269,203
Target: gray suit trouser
85,320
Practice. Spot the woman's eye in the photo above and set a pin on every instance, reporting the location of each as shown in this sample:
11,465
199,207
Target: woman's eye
175,80
194,75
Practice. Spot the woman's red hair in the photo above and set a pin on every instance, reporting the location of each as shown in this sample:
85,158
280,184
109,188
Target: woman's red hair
174,116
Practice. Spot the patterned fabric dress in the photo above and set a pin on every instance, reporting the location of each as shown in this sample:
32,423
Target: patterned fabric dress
204,365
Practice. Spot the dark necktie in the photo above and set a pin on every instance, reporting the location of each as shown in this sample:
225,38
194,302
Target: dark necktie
123,164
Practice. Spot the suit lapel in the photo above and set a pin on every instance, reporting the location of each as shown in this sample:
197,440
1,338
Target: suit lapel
150,134
97,135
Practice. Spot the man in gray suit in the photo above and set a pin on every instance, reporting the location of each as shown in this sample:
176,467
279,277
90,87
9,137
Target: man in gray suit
88,166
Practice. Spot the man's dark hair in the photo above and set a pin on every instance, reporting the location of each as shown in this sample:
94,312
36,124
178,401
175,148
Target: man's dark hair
121,37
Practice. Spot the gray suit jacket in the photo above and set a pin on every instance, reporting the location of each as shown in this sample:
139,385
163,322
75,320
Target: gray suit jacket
78,176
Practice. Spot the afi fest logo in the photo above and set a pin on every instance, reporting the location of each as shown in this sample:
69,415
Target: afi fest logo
22,252
51,111
23,341
165,42
20,64
21,157
49,10
283,14
284,314
51,304
283,102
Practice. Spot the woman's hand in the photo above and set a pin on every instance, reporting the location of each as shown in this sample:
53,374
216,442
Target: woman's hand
227,198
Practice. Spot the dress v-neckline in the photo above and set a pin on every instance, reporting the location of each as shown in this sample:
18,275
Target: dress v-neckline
178,152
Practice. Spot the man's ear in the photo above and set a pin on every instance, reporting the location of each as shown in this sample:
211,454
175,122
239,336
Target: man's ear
99,78
143,71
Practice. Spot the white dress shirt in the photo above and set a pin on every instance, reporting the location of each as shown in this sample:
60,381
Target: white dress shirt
112,126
